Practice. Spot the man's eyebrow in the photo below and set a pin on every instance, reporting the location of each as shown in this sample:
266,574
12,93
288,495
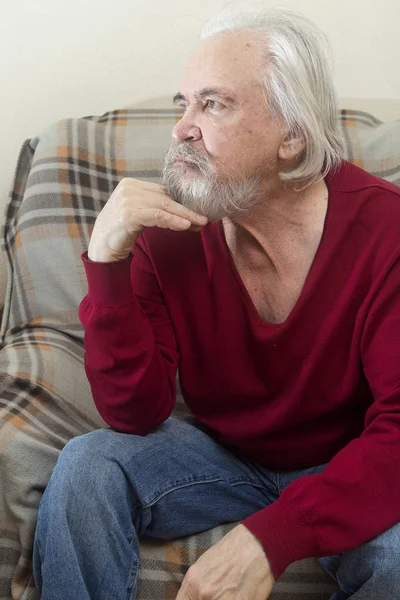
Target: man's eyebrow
204,93
178,98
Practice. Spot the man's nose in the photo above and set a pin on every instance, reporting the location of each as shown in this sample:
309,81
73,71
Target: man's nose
186,130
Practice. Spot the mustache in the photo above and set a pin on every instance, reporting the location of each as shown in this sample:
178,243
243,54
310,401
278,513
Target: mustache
184,151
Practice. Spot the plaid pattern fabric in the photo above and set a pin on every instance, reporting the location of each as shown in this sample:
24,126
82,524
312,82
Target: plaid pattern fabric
62,181
371,144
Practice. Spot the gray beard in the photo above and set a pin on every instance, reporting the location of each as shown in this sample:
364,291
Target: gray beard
203,192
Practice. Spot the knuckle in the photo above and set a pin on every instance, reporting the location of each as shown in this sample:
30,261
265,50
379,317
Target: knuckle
128,180
122,185
158,215
126,204
192,579
123,204
190,576
125,184
166,202
124,213
196,585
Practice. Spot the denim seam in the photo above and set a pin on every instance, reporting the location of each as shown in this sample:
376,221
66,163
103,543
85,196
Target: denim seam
190,483
178,487
246,482
38,550
278,482
133,585
343,587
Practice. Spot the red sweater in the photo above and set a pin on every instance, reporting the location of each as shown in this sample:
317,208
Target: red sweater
324,386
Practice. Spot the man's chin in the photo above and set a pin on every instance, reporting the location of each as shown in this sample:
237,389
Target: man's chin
185,163
213,215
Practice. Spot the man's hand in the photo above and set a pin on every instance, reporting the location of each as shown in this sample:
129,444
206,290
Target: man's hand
236,568
133,206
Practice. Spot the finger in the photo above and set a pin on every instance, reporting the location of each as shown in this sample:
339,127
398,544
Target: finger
155,217
182,595
147,185
171,206
165,202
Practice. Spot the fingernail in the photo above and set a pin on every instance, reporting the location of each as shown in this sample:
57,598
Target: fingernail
202,219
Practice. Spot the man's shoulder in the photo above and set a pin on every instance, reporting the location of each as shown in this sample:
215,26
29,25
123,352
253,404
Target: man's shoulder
369,208
352,178
367,198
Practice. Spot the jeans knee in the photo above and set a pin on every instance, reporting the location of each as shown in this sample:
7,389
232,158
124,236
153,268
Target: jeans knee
84,469
384,554
376,561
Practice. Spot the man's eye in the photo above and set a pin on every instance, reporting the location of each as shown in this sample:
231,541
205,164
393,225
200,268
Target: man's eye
214,105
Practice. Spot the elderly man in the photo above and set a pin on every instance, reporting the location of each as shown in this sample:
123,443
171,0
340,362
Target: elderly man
267,269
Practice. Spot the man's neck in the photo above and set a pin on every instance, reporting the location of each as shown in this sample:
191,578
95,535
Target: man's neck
281,227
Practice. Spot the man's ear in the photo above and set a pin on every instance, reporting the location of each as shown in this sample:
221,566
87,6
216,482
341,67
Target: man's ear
292,146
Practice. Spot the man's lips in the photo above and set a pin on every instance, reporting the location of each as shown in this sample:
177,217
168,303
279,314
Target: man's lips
184,162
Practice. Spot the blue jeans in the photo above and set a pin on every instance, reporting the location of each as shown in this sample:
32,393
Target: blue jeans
108,489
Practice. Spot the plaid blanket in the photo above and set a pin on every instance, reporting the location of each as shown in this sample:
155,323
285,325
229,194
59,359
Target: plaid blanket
63,178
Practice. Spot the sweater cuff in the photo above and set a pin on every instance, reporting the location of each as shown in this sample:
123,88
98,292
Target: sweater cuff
284,532
110,282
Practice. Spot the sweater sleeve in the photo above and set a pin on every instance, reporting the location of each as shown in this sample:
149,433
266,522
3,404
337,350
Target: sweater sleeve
357,496
131,353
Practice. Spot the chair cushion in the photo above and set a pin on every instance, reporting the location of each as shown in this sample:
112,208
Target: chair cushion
371,144
63,179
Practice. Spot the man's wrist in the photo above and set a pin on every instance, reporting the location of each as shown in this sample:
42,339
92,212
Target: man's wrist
104,256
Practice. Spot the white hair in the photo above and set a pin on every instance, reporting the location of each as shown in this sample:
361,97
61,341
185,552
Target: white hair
297,82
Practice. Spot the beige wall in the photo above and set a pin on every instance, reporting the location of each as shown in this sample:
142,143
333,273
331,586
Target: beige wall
63,58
